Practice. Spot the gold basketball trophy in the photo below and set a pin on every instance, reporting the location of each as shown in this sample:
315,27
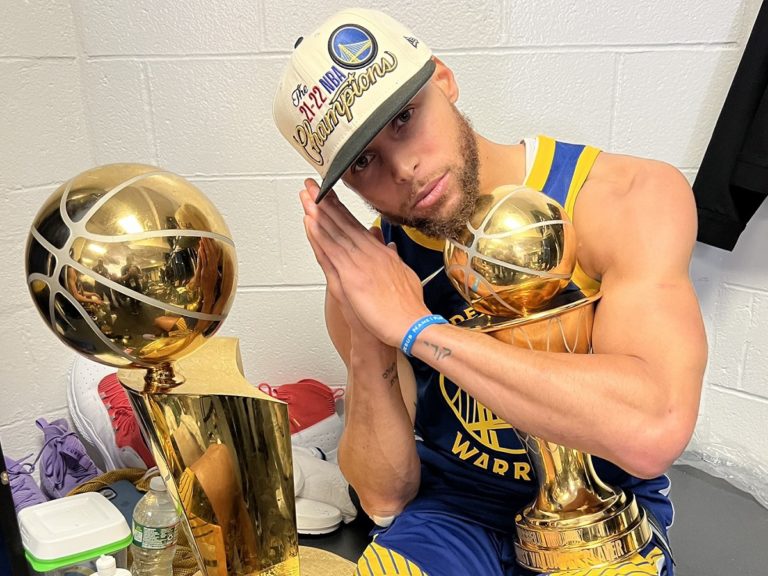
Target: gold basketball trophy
514,265
133,267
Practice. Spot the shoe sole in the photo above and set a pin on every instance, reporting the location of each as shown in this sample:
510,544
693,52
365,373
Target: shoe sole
88,371
315,518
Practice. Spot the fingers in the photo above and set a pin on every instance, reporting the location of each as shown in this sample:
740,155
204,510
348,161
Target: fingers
340,227
322,258
334,209
345,218
335,232
311,186
331,274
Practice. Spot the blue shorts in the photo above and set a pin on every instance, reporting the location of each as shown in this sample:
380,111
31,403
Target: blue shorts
439,544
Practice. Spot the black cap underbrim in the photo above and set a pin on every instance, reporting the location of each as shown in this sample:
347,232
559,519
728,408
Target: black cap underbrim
368,130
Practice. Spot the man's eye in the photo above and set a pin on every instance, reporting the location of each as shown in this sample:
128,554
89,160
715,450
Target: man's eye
404,116
362,162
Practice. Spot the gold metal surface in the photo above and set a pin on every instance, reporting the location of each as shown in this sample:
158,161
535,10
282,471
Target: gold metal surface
517,252
225,454
576,520
133,267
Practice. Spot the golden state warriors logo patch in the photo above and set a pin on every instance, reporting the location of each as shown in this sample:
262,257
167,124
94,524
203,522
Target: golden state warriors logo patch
479,422
352,46
486,441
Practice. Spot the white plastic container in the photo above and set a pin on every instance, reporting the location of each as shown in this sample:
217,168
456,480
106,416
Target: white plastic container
66,536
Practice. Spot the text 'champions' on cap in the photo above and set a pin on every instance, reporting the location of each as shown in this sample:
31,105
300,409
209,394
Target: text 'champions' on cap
344,83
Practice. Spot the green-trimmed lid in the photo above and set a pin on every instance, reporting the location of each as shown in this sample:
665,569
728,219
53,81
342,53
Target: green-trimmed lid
88,555
72,529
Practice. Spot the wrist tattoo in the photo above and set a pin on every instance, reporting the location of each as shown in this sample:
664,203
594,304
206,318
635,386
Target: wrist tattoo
440,352
390,374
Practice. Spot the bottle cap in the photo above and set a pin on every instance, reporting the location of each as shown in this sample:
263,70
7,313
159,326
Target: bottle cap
106,566
157,484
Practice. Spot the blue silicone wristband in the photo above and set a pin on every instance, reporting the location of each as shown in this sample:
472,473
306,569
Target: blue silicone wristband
410,337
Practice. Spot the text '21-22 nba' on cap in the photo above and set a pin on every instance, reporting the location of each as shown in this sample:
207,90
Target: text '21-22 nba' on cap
344,83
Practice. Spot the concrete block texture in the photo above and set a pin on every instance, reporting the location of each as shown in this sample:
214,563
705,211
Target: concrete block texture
37,29
733,314
282,336
648,22
452,24
735,419
189,87
508,96
112,27
119,111
755,349
214,116
44,128
667,102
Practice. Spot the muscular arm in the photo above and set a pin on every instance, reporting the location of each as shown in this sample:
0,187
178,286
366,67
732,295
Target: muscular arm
635,400
377,451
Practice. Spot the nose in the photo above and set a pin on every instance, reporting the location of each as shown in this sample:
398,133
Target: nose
404,163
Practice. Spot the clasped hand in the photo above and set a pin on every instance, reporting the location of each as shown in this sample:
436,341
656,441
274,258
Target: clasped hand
374,287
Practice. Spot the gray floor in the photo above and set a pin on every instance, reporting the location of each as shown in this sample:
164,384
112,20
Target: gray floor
718,530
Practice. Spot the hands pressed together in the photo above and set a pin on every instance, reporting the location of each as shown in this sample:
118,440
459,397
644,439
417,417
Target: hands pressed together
375,289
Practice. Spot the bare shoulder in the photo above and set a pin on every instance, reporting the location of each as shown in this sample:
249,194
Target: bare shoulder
635,212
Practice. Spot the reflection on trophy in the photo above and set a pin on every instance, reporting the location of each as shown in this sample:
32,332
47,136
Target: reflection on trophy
133,267
514,265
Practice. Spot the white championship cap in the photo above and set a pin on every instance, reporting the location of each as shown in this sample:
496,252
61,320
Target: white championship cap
344,83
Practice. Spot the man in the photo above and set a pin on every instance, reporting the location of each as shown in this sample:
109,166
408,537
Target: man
131,277
363,100
101,290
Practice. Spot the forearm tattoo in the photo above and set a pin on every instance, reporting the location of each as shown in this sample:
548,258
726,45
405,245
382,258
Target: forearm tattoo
440,352
390,374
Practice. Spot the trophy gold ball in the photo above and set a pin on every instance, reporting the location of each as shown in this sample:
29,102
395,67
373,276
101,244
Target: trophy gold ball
516,253
131,265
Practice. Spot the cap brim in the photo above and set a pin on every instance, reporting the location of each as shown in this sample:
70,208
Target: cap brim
368,130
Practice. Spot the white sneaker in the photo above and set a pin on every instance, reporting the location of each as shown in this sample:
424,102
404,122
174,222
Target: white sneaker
103,416
321,481
324,435
313,517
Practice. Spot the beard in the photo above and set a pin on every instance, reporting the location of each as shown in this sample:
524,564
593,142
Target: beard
467,175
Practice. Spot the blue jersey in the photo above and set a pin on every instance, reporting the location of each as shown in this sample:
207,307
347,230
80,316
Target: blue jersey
473,463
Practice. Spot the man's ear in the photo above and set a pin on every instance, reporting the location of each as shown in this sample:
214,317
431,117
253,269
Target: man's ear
444,79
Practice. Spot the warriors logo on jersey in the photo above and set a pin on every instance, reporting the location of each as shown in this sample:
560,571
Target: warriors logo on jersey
477,420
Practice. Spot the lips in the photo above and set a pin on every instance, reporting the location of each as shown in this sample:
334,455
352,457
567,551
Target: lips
431,193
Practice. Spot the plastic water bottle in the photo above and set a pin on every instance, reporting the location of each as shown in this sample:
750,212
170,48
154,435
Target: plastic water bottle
155,524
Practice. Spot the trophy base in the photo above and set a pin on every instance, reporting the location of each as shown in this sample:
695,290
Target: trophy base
288,568
549,542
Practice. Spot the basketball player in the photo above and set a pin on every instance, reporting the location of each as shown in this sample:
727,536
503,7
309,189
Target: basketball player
364,101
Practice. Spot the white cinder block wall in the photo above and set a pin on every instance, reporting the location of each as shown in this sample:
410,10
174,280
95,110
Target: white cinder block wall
188,86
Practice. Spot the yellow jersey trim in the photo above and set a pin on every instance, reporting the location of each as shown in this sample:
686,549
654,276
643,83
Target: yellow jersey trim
583,166
542,164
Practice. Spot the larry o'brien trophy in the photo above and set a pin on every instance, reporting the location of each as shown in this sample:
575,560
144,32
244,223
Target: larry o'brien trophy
133,267
514,265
